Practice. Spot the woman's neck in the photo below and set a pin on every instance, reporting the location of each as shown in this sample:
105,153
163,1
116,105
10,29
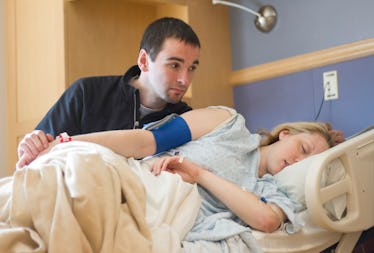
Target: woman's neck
262,167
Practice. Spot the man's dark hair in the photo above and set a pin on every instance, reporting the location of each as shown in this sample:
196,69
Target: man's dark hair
164,28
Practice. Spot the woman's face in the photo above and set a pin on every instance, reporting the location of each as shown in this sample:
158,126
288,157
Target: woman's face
292,148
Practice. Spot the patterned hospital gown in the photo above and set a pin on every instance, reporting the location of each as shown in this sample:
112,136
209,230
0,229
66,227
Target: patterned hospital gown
231,152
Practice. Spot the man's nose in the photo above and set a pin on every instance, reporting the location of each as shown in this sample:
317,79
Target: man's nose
184,77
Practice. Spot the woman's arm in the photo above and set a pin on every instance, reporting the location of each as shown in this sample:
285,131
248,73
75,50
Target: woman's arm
136,143
140,143
262,216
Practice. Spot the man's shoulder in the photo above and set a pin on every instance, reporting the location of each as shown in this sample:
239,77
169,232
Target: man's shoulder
109,81
97,83
97,80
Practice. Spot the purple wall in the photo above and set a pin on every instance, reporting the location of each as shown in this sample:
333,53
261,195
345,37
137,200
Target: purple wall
298,97
303,26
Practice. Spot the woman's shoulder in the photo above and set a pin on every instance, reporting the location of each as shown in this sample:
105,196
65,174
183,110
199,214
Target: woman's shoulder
223,108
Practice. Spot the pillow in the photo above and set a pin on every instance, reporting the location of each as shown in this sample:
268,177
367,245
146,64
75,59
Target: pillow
291,181
334,173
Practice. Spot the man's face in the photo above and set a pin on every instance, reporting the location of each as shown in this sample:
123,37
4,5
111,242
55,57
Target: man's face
171,73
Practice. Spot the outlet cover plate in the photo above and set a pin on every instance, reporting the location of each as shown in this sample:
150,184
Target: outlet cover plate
330,85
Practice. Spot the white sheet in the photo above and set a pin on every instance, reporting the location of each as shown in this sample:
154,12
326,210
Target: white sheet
171,207
69,200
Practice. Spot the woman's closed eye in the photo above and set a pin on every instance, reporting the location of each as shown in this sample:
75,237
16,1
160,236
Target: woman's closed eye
304,149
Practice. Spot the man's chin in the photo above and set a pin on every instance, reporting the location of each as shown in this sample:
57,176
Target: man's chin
174,100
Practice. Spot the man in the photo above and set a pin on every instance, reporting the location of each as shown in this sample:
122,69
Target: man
147,92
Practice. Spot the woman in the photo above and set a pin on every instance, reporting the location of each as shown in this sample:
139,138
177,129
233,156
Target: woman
224,159
286,144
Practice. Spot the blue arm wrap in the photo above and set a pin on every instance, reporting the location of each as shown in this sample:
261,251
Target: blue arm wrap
172,134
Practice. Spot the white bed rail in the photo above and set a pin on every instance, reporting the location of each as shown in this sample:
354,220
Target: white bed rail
357,156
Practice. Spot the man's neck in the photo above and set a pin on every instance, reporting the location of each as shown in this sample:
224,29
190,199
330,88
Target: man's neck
147,98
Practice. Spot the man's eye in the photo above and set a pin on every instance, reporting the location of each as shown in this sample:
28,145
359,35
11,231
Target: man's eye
192,68
174,65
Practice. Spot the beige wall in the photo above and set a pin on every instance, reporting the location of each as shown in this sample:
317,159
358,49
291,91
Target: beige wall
3,162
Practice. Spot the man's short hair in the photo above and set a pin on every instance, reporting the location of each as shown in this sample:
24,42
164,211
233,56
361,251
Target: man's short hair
161,29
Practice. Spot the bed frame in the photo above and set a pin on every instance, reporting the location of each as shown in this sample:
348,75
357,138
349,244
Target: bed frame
357,156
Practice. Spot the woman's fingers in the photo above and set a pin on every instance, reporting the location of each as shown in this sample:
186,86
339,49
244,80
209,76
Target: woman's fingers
157,166
164,164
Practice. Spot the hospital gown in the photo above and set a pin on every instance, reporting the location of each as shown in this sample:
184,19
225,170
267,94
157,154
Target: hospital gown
231,152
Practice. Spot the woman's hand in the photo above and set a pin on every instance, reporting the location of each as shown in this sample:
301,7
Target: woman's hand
188,170
244,204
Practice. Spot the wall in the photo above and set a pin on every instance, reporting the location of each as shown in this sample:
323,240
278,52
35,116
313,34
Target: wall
3,152
298,97
303,26
51,43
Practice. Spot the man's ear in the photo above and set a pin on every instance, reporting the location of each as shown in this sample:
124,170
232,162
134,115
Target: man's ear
284,133
143,60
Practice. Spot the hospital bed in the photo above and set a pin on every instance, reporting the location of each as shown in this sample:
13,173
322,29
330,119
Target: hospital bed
350,195
335,186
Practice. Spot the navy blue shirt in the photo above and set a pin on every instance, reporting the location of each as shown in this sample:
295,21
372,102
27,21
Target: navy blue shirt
101,103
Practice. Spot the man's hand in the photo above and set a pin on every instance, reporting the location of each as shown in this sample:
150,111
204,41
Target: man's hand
31,146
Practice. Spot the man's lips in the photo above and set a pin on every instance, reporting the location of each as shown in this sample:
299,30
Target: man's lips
177,90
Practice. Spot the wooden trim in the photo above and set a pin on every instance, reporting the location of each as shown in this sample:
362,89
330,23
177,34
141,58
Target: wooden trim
11,80
303,62
183,2
23,128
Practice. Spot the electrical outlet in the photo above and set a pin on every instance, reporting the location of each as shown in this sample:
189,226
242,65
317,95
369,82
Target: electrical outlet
330,85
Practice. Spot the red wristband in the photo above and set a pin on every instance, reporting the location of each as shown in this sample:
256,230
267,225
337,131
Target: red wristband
64,137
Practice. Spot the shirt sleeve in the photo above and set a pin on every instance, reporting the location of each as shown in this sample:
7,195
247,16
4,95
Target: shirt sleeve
268,190
65,114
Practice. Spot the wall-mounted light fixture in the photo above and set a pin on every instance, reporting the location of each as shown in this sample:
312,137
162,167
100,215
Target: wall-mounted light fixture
266,17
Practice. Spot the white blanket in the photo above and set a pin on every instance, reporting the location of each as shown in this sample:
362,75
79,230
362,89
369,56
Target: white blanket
82,197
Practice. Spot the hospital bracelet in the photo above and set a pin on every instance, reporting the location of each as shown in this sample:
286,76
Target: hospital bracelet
181,159
64,137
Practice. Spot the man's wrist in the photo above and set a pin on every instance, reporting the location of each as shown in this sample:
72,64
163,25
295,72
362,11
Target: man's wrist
64,137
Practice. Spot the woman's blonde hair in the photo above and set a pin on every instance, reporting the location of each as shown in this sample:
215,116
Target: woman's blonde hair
323,129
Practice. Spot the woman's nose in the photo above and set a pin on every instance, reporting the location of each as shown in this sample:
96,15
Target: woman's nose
300,157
